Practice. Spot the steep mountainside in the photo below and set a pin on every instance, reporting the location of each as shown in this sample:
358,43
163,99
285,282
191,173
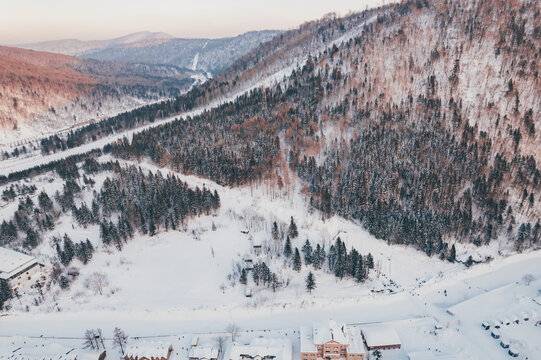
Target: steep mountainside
424,126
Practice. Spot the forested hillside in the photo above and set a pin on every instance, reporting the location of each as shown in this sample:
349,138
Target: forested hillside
44,92
424,127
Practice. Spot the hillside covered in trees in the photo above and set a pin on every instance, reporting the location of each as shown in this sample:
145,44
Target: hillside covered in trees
424,127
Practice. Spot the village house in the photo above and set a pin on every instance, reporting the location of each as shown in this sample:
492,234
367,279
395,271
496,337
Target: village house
381,338
330,341
149,351
203,352
260,349
17,268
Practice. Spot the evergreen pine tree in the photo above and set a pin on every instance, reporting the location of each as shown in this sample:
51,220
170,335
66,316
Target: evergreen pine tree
32,238
370,261
275,232
287,248
297,263
316,257
275,284
5,292
310,282
69,250
243,277
307,251
360,275
292,232
60,252
152,228
452,254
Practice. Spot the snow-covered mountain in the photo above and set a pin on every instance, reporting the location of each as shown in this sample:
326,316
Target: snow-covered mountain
213,55
77,47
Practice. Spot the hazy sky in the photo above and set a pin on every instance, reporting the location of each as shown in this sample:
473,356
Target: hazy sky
37,20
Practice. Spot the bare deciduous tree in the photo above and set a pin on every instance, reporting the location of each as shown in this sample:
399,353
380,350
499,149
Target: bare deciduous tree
90,339
233,329
99,338
220,341
98,282
120,339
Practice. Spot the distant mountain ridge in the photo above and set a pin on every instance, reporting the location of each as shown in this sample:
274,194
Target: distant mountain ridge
208,55
77,47
44,92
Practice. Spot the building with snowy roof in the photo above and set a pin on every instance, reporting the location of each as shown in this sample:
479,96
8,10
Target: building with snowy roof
203,352
260,349
17,268
381,337
331,341
149,350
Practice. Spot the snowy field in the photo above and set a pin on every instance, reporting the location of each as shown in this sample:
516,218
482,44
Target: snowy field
176,283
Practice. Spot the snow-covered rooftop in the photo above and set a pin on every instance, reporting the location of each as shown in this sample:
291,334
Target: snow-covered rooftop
203,352
307,339
11,262
322,333
356,345
380,336
148,349
328,331
280,349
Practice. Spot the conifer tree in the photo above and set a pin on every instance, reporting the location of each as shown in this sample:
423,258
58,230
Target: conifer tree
292,232
297,263
243,277
275,283
275,232
307,251
69,250
452,254
5,292
287,248
310,282
360,275
370,261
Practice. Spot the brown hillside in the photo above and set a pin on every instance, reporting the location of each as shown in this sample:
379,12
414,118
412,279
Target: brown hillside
32,82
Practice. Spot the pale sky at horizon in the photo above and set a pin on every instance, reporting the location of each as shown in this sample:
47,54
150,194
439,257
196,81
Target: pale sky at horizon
23,21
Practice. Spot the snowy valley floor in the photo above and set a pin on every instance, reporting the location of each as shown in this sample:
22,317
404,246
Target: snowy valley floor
174,284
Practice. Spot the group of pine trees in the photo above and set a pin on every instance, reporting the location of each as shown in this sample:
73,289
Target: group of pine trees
338,261
15,190
66,253
140,202
148,203
5,292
